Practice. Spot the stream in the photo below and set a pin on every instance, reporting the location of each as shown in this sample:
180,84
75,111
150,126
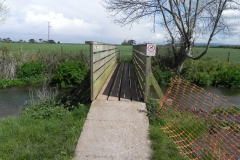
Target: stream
12,98
231,95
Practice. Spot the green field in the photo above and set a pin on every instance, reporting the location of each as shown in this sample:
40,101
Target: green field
220,53
215,53
36,47
67,48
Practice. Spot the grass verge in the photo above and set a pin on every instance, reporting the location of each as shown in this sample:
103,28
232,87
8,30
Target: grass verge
163,147
43,132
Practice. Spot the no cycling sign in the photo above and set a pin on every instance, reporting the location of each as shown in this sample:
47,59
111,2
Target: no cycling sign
151,49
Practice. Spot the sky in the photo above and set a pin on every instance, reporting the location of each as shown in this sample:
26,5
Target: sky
77,21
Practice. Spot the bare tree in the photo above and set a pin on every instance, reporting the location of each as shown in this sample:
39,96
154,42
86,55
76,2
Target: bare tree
184,20
3,12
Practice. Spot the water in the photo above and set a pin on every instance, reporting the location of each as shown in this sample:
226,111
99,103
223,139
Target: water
12,98
232,95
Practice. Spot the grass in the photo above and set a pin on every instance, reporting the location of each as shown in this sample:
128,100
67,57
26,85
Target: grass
36,47
126,53
220,53
174,123
53,138
162,146
215,53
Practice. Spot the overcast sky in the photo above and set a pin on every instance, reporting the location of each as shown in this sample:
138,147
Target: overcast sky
77,21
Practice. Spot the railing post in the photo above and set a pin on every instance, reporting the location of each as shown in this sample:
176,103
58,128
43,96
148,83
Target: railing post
119,56
147,78
91,69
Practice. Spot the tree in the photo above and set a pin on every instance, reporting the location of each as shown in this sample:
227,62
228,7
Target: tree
131,42
51,41
4,10
184,21
31,41
125,42
8,40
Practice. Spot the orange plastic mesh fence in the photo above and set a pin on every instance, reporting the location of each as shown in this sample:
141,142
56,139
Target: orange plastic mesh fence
202,125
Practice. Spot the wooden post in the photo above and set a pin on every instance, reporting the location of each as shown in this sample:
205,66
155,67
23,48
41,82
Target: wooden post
229,54
119,56
91,70
61,49
147,78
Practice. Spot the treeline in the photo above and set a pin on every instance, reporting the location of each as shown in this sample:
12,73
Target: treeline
222,46
8,40
129,42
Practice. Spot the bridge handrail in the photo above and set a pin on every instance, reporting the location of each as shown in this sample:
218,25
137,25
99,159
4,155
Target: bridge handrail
142,67
103,58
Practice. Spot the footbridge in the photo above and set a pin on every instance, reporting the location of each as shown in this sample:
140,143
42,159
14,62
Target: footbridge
117,125
112,80
201,124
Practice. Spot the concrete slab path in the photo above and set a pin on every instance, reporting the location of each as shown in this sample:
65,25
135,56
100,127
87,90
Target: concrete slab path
115,130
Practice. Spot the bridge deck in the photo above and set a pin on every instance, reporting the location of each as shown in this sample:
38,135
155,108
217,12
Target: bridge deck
121,85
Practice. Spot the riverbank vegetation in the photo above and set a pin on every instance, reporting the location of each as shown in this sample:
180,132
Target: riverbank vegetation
26,68
46,129
213,69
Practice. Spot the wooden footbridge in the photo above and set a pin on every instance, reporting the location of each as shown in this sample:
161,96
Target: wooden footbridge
117,125
111,80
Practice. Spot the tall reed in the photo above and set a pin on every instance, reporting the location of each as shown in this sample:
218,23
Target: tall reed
10,61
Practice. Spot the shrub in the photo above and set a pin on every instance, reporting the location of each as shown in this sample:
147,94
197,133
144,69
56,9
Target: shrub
229,78
152,106
5,49
202,79
30,69
44,109
164,77
212,72
164,59
10,82
69,74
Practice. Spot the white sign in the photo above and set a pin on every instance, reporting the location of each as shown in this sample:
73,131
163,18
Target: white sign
151,49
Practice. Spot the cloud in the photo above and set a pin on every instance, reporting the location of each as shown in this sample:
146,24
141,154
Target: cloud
62,25
76,21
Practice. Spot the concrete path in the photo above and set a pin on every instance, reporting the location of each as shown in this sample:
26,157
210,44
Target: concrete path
115,130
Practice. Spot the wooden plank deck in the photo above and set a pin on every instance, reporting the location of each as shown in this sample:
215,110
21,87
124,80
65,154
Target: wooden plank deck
121,85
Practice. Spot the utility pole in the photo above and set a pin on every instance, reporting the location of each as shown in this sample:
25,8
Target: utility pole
48,30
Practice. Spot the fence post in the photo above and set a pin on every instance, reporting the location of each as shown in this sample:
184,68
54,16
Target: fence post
229,54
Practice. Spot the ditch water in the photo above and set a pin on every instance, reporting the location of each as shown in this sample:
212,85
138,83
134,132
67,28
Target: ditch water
231,95
12,98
